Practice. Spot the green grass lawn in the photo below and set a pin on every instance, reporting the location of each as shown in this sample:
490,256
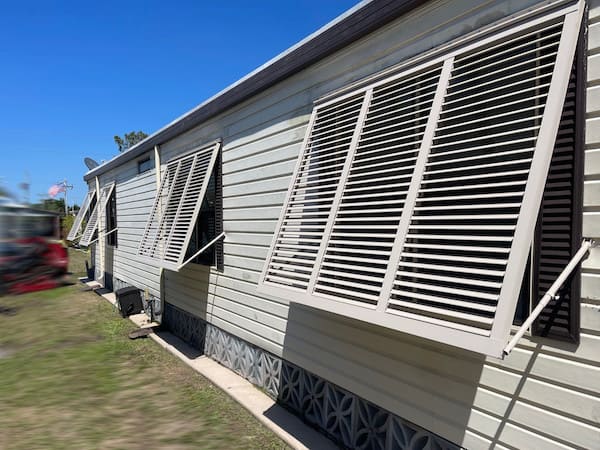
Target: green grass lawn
77,259
71,379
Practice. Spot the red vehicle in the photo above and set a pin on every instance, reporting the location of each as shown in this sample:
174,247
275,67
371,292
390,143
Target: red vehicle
32,257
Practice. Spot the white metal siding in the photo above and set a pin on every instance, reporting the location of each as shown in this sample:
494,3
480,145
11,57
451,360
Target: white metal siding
135,196
544,395
590,282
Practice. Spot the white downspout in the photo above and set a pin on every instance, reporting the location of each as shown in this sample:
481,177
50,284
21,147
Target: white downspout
157,173
99,246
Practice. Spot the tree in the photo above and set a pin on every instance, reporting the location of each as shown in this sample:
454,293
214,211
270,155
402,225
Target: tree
129,139
66,223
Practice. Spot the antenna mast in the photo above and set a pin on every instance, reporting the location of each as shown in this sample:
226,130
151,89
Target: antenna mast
66,186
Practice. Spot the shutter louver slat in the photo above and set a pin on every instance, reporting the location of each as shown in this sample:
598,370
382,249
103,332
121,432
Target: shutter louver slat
519,42
473,282
87,202
418,220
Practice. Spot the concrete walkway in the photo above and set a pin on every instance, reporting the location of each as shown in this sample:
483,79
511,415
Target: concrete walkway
287,426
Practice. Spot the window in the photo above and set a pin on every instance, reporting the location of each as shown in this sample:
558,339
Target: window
208,225
182,210
415,198
91,228
111,219
145,165
88,202
558,231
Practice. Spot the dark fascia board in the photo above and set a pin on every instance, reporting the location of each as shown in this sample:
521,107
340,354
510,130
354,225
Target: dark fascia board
356,23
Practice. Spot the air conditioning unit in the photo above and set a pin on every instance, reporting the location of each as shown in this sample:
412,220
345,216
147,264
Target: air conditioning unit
129,301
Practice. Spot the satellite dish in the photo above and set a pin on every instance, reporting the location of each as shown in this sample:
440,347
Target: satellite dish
90,163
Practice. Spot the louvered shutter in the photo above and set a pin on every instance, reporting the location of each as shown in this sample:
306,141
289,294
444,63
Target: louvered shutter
368,213
414,201
87,201
176,206
313,191
92,224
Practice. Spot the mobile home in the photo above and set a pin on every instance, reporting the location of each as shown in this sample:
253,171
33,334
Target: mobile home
360,225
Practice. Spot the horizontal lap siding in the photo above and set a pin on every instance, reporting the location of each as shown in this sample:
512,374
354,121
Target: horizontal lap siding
135,197
544,395
590,282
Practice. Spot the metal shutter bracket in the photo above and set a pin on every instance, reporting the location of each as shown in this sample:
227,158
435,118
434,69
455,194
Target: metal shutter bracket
105,234
203,249
581,254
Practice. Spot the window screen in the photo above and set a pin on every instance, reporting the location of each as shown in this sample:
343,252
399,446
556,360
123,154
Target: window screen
414,200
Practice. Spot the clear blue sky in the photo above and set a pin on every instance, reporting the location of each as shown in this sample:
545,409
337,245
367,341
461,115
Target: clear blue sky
74,74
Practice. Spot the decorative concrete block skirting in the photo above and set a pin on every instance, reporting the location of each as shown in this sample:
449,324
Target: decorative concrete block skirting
185,326
346,418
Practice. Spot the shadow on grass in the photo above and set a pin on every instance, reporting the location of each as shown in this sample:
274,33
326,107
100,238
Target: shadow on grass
8,310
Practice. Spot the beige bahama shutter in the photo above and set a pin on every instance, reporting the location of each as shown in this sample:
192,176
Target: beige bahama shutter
92,224
176,207
414,201
74,231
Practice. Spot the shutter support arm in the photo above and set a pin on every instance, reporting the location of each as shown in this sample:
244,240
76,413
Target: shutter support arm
551,293
203,249
106,234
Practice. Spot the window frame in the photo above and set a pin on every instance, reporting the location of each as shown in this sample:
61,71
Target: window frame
111,219
573,285
217,251
502,321
141,162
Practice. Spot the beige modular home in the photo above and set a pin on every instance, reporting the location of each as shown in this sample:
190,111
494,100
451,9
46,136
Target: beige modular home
360,225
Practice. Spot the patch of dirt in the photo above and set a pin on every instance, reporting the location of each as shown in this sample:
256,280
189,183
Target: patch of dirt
8,310
5,352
